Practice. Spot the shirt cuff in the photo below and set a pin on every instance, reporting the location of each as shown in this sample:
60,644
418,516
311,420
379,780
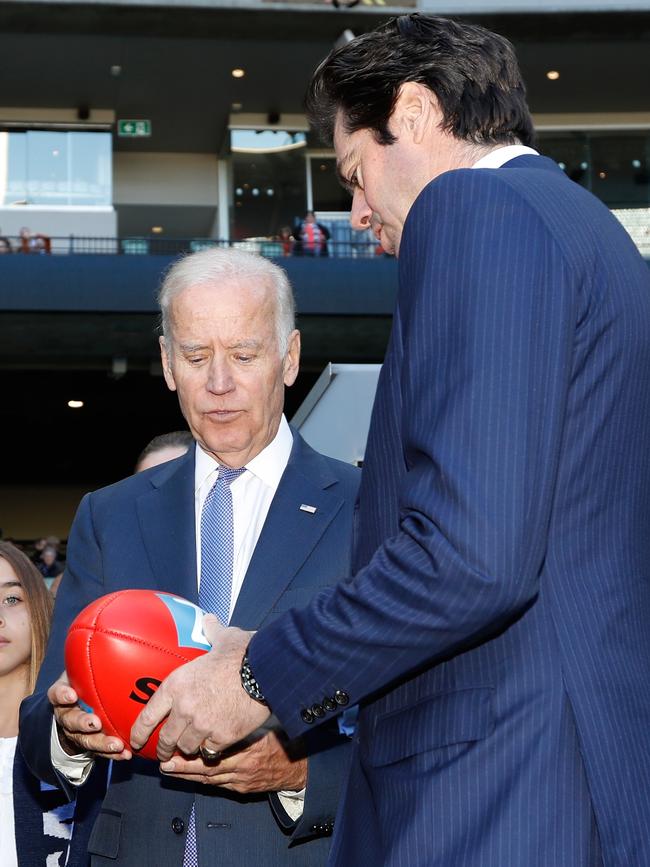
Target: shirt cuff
74,768
293,803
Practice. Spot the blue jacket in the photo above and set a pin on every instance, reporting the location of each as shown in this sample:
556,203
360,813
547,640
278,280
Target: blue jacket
140,533
497,628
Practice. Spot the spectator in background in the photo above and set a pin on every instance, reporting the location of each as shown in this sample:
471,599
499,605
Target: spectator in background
287,240
5,245
43,828
312,237
43,542
164,447
39,544
34,242
49,565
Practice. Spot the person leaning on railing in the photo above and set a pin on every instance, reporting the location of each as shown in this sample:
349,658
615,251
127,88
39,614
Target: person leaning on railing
34,242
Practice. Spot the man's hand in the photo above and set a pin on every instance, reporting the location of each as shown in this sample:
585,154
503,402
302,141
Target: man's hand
78,730
266,765
204,699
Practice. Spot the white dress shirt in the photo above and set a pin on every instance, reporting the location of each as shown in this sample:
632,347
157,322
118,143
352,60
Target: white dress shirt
8,856
252,493
500,156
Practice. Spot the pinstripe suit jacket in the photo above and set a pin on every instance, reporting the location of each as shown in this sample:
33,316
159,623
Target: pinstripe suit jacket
497,630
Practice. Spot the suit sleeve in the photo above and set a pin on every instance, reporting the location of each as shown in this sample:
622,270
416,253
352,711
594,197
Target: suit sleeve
82,583
328,760
484,330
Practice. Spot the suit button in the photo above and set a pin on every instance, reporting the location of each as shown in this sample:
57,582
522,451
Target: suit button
318,710
329,703
341,697
178,825
306,716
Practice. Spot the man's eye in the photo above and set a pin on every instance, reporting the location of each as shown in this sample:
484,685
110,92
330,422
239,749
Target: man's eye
195,359
355,182
244,358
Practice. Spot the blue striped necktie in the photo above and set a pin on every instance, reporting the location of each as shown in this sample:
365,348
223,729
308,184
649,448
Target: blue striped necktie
215,590
217,546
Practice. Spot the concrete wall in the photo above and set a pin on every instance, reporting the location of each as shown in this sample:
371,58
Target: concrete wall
165,179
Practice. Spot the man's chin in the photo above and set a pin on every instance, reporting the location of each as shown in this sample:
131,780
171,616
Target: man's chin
231,454
388,245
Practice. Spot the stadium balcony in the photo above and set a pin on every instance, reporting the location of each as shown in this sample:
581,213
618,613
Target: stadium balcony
121,275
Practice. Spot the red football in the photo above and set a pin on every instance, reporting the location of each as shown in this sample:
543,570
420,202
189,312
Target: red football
120,648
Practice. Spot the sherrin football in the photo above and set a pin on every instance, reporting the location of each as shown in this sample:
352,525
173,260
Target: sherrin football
120,648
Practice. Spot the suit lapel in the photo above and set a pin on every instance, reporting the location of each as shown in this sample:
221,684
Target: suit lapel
166,516
289,534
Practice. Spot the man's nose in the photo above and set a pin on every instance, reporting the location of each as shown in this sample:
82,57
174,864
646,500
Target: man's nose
360,213
220,380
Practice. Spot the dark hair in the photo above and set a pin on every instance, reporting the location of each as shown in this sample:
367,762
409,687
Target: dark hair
473,73
181,438
39,603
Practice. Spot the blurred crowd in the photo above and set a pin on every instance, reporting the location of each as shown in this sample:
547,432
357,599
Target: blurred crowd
26,242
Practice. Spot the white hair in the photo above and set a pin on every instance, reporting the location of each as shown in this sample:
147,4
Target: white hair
219,264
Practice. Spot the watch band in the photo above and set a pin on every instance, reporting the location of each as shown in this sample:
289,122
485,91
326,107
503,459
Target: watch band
249,683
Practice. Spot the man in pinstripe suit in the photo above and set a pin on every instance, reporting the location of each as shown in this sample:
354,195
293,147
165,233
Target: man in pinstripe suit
497,629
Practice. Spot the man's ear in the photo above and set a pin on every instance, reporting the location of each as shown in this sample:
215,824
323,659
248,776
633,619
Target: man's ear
416,109
166,365
292,358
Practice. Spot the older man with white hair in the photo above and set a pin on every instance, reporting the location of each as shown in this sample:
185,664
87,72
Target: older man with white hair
248,523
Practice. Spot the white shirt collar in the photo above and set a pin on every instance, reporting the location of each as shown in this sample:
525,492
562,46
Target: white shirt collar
499,156
268,465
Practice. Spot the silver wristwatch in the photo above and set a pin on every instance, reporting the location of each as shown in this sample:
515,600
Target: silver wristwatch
249,683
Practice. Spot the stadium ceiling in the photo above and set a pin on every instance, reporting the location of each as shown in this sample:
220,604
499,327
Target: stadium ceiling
172,64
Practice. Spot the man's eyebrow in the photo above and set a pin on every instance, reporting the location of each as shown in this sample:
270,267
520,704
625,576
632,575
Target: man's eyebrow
341,164
246,344
190,347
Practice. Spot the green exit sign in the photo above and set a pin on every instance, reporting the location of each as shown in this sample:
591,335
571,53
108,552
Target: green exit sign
134,128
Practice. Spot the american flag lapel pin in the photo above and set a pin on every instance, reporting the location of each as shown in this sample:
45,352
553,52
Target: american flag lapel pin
305,508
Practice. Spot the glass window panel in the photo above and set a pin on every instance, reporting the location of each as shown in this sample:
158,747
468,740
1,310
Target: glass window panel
42,167
265,140
47,168
90,165
620,168
615,166
269,193
327,192
16,169
570,150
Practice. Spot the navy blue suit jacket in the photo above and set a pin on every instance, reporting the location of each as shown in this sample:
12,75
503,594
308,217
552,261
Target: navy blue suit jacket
140,533
498,625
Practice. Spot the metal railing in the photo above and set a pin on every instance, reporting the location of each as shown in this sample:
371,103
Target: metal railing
155,245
